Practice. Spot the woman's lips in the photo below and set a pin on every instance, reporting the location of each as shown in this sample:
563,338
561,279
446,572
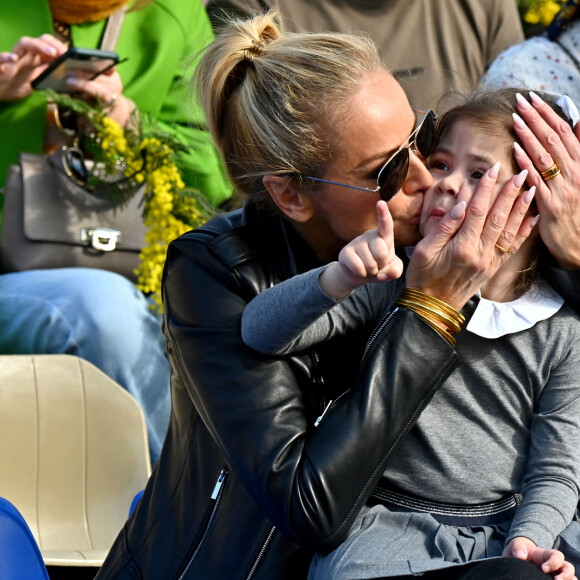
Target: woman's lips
416,217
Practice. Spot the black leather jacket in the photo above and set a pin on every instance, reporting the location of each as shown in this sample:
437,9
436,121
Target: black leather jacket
247,486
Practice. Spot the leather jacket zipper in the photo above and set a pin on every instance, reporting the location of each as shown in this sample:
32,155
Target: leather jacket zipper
376,333
261,553
215,498
332,403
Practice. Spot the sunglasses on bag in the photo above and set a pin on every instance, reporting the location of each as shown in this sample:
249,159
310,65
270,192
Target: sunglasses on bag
75,167
394,172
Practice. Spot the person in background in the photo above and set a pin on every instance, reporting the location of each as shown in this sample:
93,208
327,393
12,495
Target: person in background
94,314
431,47
505,424
549,62
254,475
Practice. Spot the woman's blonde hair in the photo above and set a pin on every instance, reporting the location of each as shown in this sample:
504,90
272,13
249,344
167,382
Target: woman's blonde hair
267,96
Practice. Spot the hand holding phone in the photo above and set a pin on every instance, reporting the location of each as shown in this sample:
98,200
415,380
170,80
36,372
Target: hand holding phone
85,61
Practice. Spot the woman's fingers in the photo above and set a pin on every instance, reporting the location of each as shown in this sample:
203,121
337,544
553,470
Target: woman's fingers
478,208
45,46
506,215
518,227
547,138
550,143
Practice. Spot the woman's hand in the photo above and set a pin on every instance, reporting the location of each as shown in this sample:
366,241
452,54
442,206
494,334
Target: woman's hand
550,561
28,58
368,258
108,88
454,260
548,139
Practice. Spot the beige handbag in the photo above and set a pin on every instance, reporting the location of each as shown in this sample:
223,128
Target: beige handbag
51,222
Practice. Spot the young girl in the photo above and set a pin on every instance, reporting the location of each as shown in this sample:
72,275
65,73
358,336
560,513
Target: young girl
492,466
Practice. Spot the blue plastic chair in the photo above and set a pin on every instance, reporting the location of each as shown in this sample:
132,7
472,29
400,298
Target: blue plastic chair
135,502
20,558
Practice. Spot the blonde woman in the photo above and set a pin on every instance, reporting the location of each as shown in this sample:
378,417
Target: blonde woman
313,129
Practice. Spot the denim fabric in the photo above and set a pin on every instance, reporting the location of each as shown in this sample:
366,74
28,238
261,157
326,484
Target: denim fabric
99,316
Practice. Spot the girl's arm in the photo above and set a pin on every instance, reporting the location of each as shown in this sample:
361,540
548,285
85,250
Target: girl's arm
306,310
552,480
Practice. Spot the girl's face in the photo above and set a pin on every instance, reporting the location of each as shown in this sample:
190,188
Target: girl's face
376,122
459,161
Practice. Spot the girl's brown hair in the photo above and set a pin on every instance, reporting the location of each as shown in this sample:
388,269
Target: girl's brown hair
492,113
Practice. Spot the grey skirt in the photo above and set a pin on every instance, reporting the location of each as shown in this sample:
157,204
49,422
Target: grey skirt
387,542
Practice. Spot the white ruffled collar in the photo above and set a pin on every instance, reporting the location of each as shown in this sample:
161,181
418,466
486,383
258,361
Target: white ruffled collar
494,319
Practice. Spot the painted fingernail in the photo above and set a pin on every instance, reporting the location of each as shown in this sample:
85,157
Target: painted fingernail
518,148
494,171
518,121
521,178
535,220
535,98
529,195
72,82
522,102
458,210
50,50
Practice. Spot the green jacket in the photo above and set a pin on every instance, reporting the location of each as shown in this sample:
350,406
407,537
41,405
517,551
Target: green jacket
155,40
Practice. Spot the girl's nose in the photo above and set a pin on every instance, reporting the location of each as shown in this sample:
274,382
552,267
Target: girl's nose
450,184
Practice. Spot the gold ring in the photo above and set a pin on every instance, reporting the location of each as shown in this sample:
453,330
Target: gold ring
550,173
502,249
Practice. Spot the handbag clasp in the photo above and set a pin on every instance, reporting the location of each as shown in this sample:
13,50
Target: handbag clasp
102,239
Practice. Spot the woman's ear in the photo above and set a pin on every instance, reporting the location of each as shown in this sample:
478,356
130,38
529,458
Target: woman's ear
291,201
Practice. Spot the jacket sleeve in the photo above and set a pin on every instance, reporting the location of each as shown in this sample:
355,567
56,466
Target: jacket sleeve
311,481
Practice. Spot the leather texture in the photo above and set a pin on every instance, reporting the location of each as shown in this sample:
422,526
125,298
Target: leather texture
44,215
247,486
73,451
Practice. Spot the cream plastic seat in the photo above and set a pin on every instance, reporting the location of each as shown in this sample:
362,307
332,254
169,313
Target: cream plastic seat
73,454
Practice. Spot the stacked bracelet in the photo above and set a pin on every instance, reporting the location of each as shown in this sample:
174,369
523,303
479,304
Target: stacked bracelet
436,313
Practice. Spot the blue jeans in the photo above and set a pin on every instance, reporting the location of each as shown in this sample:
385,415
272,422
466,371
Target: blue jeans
99,316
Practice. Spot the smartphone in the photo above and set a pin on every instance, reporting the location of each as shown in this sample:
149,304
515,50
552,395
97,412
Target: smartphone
92,61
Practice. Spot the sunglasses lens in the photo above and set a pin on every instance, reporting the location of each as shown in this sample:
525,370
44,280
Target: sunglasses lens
76,165
425,138
393,174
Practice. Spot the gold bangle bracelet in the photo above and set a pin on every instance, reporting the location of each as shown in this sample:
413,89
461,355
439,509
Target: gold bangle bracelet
445,319
434,302
441,316
441,331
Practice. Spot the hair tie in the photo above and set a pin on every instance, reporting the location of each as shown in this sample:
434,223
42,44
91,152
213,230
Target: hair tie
258,48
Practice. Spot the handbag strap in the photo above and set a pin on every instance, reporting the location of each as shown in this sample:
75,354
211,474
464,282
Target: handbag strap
112,30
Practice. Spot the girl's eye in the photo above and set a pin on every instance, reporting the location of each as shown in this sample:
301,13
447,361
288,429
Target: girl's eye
438,164
477,173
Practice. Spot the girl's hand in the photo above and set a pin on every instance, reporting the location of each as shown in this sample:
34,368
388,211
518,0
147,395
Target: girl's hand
454,260
550,561
28,58
108,88
368,258
548,139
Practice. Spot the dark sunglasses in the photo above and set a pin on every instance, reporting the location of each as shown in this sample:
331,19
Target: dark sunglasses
75,168
394,172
